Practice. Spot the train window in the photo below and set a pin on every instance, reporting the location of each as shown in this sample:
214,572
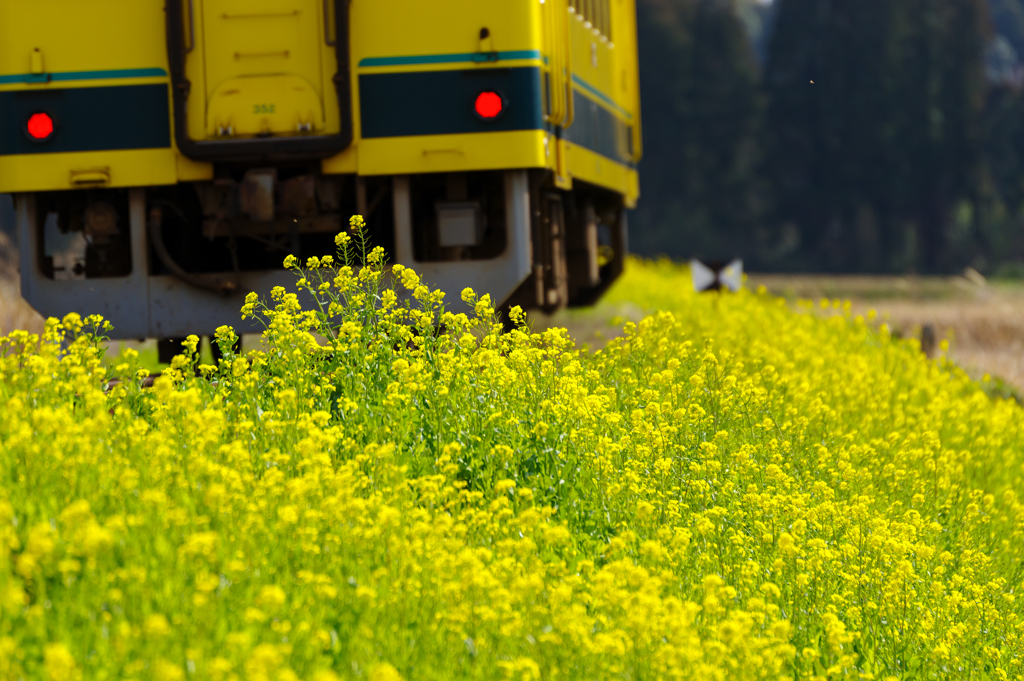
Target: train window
596,15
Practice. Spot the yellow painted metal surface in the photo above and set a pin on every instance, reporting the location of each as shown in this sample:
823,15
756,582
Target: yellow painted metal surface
192,171
594,168
452,153
80,36
124,168
345,163
389,28
265,67
558,77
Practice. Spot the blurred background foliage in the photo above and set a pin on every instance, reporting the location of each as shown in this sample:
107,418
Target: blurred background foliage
882,136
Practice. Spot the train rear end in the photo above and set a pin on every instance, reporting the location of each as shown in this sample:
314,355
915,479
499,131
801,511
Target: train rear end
164,162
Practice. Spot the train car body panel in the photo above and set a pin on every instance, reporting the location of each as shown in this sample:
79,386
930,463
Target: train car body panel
84,169
439,32
60,41
452,153
260,124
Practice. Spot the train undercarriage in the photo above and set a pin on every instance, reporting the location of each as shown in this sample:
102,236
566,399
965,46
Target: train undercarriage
165,262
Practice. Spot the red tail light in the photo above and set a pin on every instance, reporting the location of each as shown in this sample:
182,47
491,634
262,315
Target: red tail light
489,105
39,126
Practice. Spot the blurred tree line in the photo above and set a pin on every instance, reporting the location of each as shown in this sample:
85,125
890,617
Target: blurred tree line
834,135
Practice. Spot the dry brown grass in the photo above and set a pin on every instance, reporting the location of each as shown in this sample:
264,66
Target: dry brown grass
983,321
15,313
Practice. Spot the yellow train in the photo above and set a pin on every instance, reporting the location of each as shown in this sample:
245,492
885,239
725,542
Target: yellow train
165,156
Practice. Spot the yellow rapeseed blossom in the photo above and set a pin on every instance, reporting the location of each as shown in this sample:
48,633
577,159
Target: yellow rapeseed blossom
59,663
386,489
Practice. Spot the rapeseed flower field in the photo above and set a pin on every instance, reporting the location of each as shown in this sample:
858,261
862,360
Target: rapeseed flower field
389,489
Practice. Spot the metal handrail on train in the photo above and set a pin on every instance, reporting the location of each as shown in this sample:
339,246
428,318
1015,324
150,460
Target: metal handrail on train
638,140
327,24
191,28
554,103
570,98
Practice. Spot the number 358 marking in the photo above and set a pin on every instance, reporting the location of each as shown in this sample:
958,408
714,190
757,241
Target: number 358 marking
263,108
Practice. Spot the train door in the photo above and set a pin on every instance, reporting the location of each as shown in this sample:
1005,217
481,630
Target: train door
263,70
260,78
